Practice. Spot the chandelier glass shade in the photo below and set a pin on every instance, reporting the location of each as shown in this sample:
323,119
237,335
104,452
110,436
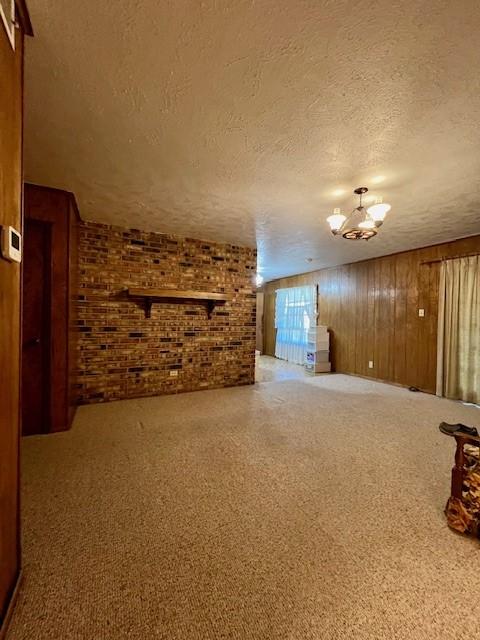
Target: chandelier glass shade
379,210
362,224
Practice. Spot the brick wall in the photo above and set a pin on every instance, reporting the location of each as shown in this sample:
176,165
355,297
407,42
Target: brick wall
122,354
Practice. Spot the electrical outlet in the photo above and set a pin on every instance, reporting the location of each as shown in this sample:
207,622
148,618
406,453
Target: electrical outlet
370,364
173,373
421,313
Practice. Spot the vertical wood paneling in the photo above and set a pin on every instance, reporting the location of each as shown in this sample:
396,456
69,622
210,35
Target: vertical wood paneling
378,320
371,309
400,320
371,299
427,326
269,323
384,318
343,328
349,312
412,338
74,219
259,322
10,214
360,343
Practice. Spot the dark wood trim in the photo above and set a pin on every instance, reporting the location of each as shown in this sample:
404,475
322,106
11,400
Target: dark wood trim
20,342
23,16
61,192
176,295
54,206
11,607
43,317
76,210
72,285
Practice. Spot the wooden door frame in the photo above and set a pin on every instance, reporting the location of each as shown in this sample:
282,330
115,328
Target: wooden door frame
52,206
46,322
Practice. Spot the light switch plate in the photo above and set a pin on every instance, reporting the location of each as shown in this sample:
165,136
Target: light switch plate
421,313
370,364
11,244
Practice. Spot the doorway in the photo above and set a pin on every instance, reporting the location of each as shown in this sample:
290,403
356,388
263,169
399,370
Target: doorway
295,314
36,338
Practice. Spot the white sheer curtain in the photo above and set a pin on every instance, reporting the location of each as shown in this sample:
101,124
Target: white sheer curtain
295,313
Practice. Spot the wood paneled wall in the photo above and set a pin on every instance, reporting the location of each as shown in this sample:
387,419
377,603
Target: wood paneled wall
11,96
371,309
73,239
259,321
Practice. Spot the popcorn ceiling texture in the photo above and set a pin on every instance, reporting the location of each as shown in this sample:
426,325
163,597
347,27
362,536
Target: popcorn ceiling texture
122,354
247,121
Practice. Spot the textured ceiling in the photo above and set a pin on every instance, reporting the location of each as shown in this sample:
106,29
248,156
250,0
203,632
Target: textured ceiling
242,120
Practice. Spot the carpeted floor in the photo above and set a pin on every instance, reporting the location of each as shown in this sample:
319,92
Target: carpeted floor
271,369
290,510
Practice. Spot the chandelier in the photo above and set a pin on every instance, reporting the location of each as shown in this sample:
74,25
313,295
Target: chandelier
362,224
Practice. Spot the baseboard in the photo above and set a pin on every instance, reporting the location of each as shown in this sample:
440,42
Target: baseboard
390,382
11,607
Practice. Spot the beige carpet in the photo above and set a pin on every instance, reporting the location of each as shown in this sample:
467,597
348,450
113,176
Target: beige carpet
271,369
290,510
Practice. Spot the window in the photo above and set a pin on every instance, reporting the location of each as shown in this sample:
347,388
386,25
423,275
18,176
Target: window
295,313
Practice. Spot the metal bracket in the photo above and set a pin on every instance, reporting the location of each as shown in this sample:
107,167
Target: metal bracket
148,307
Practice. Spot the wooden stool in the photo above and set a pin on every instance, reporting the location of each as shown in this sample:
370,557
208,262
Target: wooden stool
463,506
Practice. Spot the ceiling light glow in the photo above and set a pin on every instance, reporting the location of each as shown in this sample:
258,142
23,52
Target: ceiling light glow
367,224
379,210
336,220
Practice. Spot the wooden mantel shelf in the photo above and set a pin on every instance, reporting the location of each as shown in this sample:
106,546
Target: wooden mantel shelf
156,295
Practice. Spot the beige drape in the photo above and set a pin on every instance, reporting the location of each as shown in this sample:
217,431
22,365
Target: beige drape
458,346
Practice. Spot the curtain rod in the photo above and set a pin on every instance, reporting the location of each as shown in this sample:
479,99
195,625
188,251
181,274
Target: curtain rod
463,255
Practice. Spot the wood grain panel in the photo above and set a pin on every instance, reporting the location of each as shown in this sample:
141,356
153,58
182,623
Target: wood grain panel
371,309
412,339
36,328
400,319
371,297
259,322
74,220
11,72
384,318
360,342
269,316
